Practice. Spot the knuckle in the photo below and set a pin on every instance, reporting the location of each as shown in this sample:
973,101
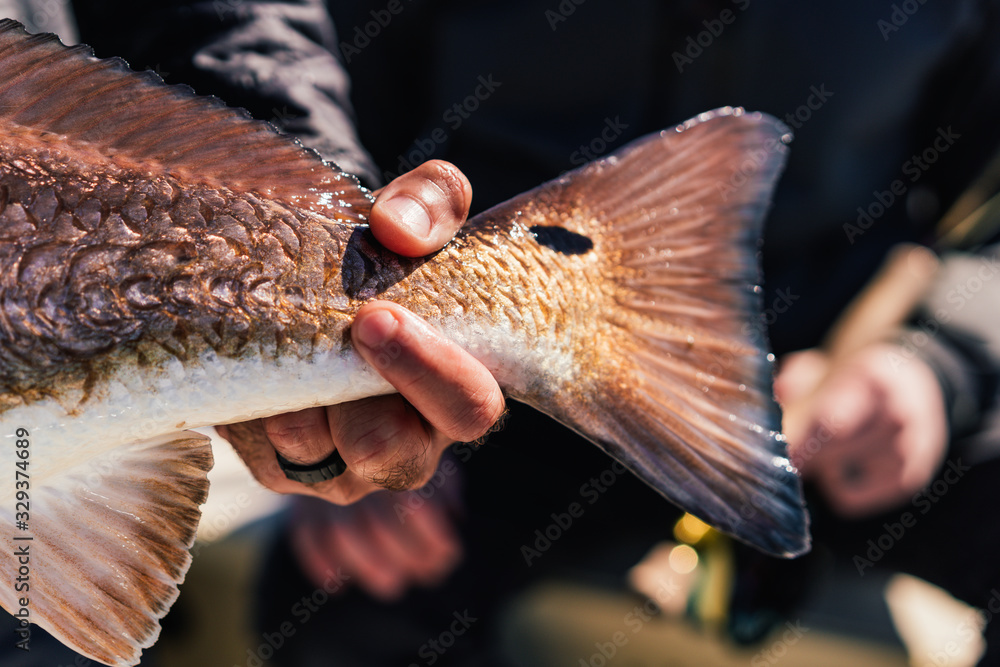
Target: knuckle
294,434
380,441
447,178
397,458
478,418
368,436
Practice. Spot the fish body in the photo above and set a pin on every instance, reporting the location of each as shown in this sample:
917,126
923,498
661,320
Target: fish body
167,263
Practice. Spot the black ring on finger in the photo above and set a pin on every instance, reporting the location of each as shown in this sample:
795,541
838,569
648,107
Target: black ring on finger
313,473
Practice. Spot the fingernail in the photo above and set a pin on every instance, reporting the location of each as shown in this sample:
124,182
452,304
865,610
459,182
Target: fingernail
410,213
375,329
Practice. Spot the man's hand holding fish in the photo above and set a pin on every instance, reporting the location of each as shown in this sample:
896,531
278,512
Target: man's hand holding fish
445,394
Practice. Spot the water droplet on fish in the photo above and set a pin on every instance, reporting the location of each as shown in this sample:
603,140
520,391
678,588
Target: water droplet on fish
674,211
743,387
757,289
783,463
770,357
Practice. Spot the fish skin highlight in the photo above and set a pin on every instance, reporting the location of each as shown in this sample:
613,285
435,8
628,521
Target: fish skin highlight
168,263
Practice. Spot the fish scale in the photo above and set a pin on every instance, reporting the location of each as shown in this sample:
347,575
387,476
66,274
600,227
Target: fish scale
167,263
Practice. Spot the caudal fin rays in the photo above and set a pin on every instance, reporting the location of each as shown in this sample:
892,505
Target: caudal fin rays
680,391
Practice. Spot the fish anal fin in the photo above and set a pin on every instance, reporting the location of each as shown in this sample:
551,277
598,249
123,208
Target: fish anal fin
107,545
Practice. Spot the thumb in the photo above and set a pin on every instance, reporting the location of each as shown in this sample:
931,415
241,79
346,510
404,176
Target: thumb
419,212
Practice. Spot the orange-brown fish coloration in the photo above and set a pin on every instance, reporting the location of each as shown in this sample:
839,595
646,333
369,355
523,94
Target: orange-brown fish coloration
166,260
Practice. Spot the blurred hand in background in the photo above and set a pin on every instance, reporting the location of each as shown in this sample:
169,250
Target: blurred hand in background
869,429
385,544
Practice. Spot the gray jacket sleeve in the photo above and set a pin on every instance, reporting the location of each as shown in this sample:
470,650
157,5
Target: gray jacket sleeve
275,59
957,333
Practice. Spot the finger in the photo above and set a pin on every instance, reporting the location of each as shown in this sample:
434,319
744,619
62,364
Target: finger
420,535
453,391
839,415
301,437
397,543
360,552
436,543
418,213
251,442
385,441
309,544
799,374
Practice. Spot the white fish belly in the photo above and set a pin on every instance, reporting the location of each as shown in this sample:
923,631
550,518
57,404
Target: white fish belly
136,405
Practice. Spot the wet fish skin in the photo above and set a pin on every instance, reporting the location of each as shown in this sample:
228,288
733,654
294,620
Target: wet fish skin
107,270
167,263
103,260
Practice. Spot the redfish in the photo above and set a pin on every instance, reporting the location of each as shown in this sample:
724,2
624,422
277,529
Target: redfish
167,263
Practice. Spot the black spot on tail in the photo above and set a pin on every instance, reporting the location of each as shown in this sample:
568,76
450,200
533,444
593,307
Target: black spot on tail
562,240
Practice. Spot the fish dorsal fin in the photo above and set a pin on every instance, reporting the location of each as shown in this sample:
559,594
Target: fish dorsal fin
106,544
101,107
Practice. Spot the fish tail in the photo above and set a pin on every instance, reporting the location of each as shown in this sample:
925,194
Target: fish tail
97,555
675,376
